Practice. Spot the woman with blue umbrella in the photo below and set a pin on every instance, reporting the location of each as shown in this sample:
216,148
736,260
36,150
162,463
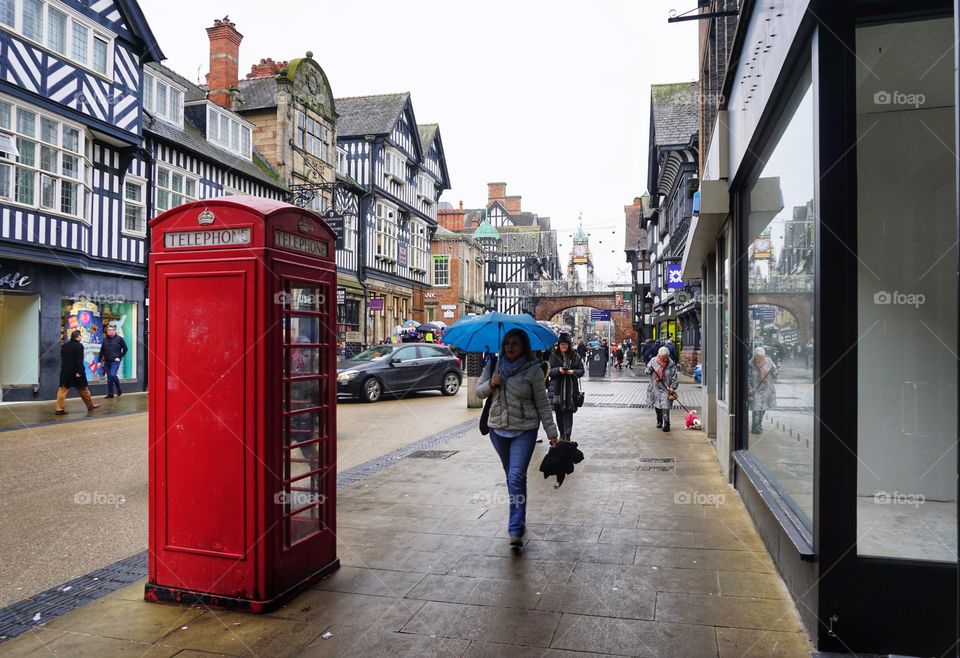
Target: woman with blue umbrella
518,406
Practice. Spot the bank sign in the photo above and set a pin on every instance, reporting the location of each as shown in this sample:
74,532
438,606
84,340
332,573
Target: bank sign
674,276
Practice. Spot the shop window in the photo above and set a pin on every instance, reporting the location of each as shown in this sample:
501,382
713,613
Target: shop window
19,339
906,352
90,313
723,287
780,247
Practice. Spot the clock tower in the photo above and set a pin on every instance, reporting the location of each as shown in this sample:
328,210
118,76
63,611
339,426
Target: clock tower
580,255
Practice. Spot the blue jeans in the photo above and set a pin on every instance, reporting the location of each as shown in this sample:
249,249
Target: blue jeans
112,380
515,454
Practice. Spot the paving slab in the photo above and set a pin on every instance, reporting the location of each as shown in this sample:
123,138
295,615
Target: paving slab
531,628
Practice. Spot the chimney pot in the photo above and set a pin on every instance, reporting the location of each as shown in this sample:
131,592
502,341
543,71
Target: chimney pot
224,72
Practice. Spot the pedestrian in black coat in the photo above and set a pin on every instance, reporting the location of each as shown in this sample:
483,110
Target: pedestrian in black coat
73,374
566,369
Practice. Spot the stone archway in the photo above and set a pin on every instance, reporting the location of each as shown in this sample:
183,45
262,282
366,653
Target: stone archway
798,304
547,307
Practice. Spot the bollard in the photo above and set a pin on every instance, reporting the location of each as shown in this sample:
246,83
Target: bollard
473,369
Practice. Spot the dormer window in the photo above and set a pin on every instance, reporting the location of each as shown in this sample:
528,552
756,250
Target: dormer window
162,99
53,26
228,132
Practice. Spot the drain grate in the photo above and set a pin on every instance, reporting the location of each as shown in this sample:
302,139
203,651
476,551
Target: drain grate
657,460
432,454
656,469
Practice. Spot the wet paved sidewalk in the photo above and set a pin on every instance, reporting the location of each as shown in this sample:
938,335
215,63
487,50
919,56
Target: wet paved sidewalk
19,415
644,551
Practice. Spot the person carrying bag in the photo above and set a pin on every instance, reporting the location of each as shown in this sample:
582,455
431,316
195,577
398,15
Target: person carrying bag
566,369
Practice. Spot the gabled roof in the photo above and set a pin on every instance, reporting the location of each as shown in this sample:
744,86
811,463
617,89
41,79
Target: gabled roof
430,132
674,112
137,22
427,132
370,115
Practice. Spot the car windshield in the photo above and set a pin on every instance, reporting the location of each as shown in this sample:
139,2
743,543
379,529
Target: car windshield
373,353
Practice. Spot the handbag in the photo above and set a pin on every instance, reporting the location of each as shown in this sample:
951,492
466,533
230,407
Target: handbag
580,398
485,414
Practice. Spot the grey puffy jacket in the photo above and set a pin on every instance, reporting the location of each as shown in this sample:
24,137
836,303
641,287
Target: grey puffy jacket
521,403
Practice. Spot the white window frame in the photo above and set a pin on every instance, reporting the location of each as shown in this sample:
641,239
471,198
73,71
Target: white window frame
172,110
93,32
394,165
238,139
141,204
419,247
159,189
349,233
441,258
387,230
342,166
33,150
425,188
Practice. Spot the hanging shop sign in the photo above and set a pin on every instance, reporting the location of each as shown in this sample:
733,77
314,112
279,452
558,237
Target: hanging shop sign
341,296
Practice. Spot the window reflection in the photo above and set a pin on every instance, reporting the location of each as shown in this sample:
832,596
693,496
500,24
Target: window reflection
781,249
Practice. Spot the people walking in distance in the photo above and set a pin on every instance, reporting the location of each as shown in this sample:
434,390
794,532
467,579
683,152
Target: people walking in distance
582,349
566,369
73,374
662,389
649,351
618,356
762,393
630,354
673,349
112,351
518,407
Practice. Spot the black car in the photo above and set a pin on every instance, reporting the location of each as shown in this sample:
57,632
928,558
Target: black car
399,369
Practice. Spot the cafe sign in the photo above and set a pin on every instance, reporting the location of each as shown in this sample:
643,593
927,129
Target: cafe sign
13,278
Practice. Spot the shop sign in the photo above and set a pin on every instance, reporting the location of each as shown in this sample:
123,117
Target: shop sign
448,314
429,295
13,280
217,238
336,222
449,307
375,305
674,276
341,296
354,337
299,243
402,254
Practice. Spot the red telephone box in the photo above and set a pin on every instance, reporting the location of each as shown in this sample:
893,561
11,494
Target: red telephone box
242,403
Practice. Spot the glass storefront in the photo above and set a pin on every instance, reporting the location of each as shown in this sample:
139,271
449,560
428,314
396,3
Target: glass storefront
91,318
907,292
780,244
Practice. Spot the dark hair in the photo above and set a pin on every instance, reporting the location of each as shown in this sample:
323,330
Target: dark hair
563,338
524,342
75,334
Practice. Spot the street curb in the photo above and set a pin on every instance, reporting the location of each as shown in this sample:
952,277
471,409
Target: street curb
18,618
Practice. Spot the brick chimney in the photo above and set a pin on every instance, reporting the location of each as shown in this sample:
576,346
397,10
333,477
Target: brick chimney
224,72
267,68
512,203
496,192
637,202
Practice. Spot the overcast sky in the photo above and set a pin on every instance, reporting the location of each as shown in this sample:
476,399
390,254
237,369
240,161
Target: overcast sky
550,96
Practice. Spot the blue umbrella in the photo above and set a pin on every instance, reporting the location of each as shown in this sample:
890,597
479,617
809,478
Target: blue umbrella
484,333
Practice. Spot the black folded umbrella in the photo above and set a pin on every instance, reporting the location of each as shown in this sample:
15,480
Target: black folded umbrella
429,327
560,459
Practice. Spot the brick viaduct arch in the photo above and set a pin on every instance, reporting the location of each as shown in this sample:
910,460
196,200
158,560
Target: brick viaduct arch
797,303
547,307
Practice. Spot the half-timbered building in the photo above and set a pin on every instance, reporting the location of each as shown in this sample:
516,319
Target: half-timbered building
403,171
70,124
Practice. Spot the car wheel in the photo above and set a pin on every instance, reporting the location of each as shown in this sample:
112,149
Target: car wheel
451,384
372,390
